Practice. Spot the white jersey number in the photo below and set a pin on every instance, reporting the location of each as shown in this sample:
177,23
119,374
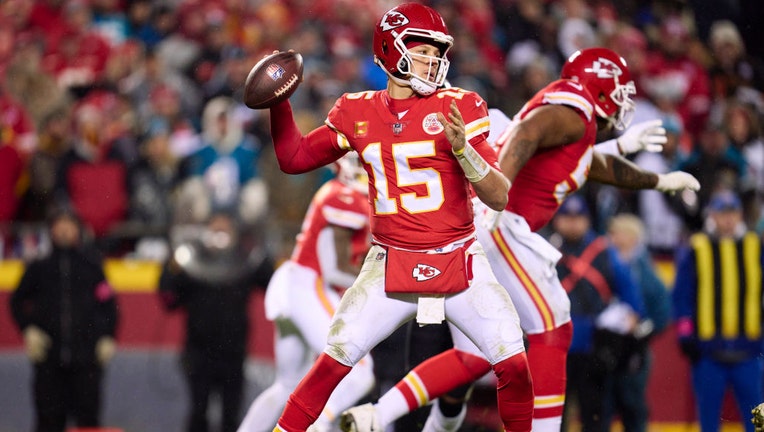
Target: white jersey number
405,176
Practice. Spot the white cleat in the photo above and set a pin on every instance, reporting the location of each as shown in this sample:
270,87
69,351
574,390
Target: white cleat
362,418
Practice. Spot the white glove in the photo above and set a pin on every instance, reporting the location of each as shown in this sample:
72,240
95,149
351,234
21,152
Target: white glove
649,135
36,343
105,349
676,181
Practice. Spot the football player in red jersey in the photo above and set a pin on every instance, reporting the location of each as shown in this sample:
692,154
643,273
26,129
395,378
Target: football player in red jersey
330,248
547,152
422,147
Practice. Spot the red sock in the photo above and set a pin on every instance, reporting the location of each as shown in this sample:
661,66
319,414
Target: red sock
547,354
307,401
514,393
440,374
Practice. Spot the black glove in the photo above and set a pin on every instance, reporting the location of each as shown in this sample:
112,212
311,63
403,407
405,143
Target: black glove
690,349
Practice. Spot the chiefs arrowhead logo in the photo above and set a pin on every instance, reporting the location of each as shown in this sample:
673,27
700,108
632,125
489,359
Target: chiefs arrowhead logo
393,19
604,68
424,272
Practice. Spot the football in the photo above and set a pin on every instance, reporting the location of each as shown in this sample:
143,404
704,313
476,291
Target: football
273,79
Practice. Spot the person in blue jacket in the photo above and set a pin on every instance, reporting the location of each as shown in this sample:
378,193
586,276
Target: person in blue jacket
718,310
627,389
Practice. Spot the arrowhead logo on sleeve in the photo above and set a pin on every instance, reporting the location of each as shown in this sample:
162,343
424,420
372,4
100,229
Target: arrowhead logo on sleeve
424,272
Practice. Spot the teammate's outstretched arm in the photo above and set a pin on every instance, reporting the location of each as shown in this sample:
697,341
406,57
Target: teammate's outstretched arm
620,172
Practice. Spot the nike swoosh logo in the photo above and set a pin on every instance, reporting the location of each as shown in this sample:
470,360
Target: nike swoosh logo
576,86
478,103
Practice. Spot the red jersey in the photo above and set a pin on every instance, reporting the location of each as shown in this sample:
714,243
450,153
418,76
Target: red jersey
418,193
553,173
335,204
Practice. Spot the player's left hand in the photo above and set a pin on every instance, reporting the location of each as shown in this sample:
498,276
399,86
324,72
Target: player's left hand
677,181
454,129
649,135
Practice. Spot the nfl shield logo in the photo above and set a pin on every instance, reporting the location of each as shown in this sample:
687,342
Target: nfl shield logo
275,72
397,128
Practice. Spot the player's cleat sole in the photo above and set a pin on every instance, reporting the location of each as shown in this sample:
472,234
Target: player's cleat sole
362,418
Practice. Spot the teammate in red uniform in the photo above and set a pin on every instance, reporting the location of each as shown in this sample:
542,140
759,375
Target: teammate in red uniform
422,147
548,153
329,251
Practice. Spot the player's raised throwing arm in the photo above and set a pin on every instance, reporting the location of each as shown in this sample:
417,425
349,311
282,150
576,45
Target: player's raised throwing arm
296,153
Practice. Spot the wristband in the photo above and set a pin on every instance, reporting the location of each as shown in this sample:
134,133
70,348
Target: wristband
474,166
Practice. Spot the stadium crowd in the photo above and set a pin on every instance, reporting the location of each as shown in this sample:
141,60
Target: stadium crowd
110,106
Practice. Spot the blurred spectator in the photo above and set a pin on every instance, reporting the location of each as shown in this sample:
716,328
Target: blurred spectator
92,175
626,394
716,164
674,77
662,214
521,22
75,54
123,61
744,130
47,18
733,68
55,140
109,20
165,104
212,276
224,173
533,77
26,81
717,307
17,128
152,182
67,312
605,305
156,89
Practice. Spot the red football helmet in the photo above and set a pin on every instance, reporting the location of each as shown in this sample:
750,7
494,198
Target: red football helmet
605,75
405,22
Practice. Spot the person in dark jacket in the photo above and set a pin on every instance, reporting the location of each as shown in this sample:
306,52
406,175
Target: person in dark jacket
604,304
212,278
67,312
